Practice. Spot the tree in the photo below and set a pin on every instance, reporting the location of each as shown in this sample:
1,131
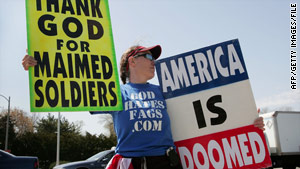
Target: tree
49,125
23,122
107,123
42,140
11,131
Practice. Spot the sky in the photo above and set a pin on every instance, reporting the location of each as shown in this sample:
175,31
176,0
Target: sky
262,27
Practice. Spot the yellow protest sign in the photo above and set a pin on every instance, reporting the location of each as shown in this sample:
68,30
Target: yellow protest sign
72,42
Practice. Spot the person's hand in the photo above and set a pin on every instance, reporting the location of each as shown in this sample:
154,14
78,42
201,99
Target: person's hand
28,61
259,122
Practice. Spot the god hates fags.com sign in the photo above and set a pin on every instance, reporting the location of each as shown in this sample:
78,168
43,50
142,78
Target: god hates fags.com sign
73,44
212,108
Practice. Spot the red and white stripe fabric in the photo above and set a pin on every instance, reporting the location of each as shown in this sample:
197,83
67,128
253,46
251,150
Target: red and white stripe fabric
119,162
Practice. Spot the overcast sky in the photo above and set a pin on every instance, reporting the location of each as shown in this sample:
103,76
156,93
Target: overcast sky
262,27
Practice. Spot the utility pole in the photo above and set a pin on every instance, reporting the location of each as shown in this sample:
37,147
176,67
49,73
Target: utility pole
58,139
7,121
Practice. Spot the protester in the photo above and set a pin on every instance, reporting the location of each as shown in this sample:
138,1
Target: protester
143,128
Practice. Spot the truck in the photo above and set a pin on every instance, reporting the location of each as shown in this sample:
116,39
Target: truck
282,131
10,161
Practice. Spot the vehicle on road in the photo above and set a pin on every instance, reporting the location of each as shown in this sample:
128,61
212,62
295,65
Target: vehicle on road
8,160
99,161
283,138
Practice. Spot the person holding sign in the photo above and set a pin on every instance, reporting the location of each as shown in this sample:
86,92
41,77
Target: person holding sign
143,126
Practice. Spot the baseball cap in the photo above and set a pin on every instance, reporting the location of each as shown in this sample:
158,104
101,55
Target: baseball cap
155,51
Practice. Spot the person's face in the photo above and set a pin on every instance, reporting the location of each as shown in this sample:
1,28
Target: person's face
144,66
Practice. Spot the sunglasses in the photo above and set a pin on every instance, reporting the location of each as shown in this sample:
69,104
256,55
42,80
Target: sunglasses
147,56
